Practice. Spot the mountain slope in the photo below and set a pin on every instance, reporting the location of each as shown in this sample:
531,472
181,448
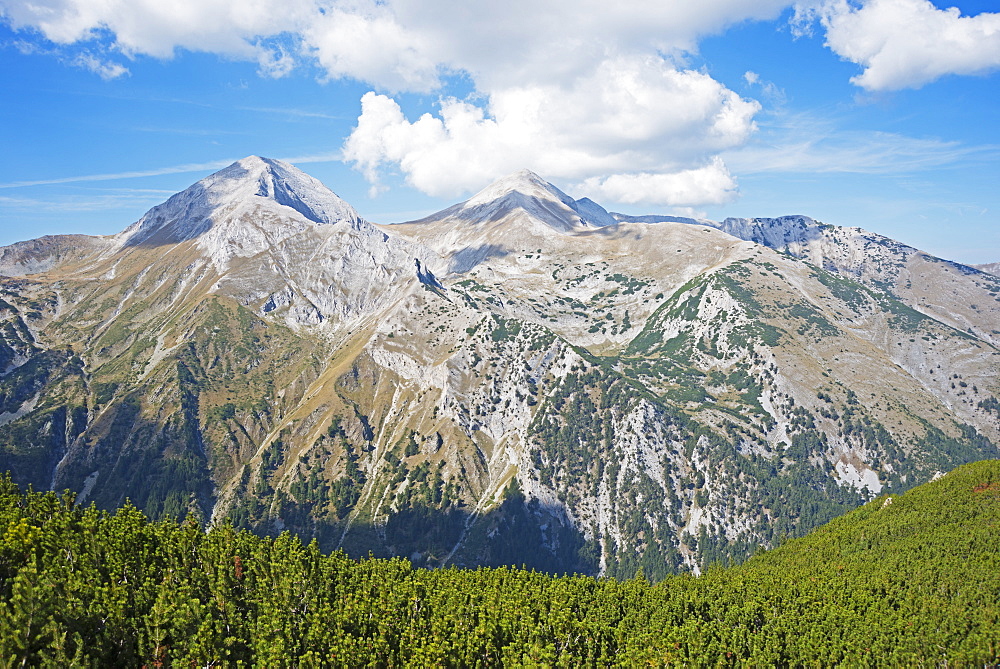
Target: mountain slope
767,354
520,208
214,207
990,268
950,292
510,372
907,580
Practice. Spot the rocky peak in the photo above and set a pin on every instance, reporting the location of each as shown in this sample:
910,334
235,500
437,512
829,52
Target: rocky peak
523,182
776,233
526,192
284,184
990,268
222,199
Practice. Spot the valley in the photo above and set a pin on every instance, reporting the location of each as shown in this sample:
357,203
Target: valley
522,378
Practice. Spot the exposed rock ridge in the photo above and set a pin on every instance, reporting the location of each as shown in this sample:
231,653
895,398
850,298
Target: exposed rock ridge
990,268
222,199
524,192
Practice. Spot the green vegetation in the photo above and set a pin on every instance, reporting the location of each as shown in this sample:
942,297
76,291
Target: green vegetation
691,446
812,320
910,580
505,329
847,291
630,284
581,440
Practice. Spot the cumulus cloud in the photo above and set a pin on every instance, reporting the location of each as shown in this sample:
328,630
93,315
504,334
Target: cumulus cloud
157,28
906,43
630,116
503,44
397,44
708,185
373,46
576,89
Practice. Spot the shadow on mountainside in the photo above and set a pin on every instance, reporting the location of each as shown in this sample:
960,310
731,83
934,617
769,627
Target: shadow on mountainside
514,533
468,258
159,226
109,452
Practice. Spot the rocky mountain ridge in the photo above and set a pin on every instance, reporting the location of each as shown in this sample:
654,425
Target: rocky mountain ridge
990,268
522,377
217,204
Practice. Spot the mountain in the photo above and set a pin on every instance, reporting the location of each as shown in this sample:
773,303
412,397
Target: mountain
990,268
224,210
520,208
525,195
522,378
959,295
962,296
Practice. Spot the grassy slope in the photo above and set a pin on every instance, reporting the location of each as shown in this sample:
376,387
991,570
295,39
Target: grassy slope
913,582
904,578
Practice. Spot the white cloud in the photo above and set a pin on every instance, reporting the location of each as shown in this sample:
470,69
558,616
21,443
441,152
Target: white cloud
503,44
708,185
374,47
907,43
274,63
768,90
106,70
398,44
156,28
631,116
572,88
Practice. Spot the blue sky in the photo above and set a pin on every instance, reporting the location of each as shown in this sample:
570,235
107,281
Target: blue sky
881,114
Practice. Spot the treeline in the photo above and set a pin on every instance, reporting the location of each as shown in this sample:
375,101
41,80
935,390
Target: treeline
914,580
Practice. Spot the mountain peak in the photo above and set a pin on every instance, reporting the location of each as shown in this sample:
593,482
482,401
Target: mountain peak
524,182
232,192
278,181
525,191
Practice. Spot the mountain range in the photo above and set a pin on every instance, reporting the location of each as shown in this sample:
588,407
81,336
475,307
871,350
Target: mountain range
522,378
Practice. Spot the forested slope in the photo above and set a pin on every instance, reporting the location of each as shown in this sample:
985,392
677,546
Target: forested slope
519,378
907,580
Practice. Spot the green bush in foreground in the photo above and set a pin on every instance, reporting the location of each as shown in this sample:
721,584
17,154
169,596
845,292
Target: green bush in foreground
911,581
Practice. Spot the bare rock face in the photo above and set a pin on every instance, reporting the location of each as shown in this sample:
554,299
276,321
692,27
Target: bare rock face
218,203
522,378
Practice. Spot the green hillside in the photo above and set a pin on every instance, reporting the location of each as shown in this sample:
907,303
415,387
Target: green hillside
494,385
914,580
